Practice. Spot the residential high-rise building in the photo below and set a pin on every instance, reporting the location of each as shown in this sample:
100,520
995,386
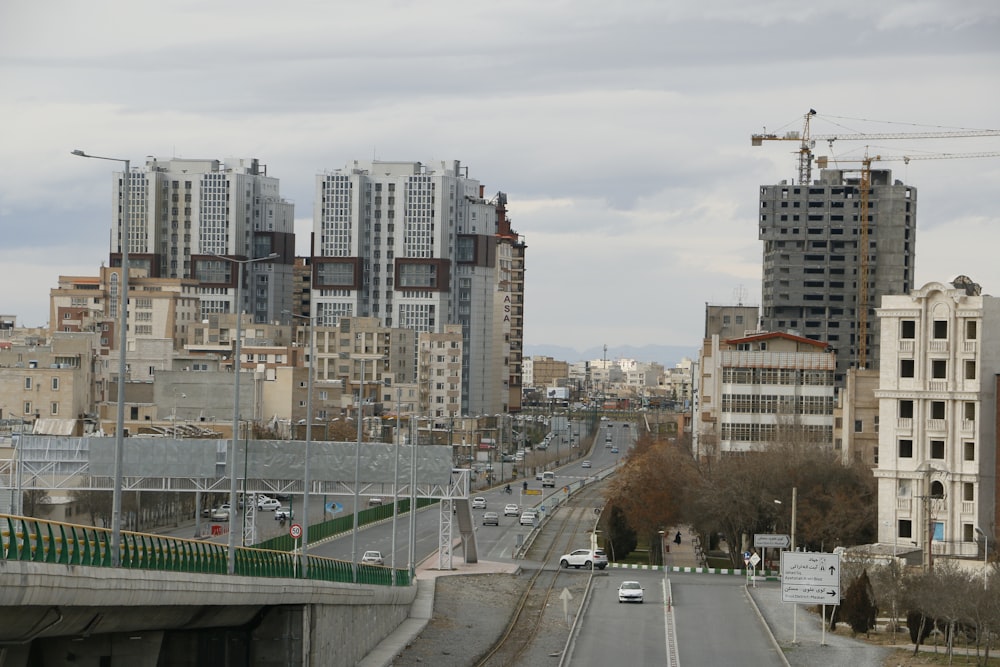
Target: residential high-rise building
811,263
420,247
184,214
937,463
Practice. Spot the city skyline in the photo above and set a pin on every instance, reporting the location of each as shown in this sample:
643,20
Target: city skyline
620,135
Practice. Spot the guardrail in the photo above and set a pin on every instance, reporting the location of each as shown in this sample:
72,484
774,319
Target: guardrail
41,541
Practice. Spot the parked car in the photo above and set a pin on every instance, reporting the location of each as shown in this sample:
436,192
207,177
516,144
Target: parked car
491,519
220,514
281,514
585,464
511,510
373,558
630,591
584,558
374,502
479,503
265,504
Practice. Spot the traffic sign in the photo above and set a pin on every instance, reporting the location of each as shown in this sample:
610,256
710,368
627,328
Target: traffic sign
295,531
810,578
771,541
532,492
746,556
754,560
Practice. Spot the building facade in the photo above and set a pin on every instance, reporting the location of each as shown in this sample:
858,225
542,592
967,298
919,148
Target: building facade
768,388
811,266
420,247
186,214
937,464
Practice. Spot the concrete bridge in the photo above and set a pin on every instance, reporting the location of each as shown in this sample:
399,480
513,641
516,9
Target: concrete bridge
171,601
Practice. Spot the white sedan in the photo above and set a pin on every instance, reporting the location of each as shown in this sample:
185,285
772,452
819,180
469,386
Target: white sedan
630,591
479,503
511,510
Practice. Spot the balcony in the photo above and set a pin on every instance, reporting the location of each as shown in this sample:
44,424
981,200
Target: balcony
968,426
938,346
904,425
906,346
904,505
968,507
937,425
937,385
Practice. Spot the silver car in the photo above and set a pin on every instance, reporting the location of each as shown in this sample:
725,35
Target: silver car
630,591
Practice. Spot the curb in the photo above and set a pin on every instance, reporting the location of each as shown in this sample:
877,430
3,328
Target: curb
767,576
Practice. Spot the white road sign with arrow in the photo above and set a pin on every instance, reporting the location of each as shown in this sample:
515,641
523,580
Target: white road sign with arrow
810,578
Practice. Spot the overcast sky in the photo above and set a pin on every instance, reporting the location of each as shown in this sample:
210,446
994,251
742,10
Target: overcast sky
620,131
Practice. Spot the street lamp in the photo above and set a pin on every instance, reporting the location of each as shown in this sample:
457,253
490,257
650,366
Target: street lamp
231,460
306,481
116,494
986,555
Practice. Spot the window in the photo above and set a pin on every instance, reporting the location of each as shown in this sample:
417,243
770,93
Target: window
939,369
906,449
858,426
940,329
907,329
970,410
970,369
970,330
968,491
905,528
906,368
969,453
27,407
937,449
906,409
54,408
937,409
55,384
27,383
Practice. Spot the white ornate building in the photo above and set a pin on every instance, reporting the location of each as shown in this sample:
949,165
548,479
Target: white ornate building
937,462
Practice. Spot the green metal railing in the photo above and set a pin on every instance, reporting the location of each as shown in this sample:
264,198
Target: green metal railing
40,541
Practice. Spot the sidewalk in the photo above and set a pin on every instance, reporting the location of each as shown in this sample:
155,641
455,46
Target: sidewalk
684,557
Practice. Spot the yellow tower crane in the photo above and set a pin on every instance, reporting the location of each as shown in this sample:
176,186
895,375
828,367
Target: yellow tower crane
807,141
863,251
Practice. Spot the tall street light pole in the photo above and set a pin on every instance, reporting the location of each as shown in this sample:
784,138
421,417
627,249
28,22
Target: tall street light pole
986,555
116,496
306,481
237,351
357,473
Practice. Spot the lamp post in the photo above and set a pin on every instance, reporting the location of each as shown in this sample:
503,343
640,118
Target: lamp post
986,555
231,460
357,472
116,494
306,481
395,490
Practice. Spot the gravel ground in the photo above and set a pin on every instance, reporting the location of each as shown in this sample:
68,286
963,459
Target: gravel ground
471,613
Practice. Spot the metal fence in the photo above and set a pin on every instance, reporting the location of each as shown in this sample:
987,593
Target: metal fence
40,541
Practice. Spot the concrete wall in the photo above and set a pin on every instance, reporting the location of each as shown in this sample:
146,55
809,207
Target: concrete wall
77,614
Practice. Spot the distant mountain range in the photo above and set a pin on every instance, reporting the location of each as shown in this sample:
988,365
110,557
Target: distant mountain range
668,355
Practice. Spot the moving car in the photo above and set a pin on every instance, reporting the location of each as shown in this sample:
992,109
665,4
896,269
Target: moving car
538,476
584,558
268,504
548,479
614,450
374,502
511,510
585,464
479,503
629,591
372,558
491,519
527,518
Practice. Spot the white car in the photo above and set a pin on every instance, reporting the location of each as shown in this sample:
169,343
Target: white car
511,510
584,558
373,558
268,504
479,503
281,514
527,518
585,464
630,591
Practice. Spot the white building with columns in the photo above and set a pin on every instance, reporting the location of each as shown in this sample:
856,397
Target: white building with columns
937,397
